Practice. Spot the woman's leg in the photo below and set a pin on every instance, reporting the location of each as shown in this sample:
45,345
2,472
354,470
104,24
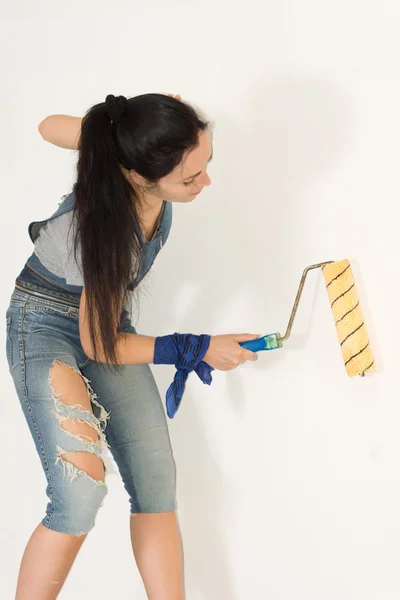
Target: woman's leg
138,437
157,547
46,563
75,496
57,403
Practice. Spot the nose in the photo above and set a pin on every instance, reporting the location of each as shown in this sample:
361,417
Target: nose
204,180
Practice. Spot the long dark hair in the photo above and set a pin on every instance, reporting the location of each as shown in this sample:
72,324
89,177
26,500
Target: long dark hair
152,137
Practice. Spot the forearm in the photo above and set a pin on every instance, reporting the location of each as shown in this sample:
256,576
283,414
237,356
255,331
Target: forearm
61,130
134,349
130,349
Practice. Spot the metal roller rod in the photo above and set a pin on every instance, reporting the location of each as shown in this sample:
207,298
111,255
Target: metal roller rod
298,296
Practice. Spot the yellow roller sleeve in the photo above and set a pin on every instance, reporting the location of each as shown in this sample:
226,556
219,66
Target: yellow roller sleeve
349,321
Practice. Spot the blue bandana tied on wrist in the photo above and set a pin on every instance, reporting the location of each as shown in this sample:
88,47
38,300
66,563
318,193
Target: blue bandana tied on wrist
186,352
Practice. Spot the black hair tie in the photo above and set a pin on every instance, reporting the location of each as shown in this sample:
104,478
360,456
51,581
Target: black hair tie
116,107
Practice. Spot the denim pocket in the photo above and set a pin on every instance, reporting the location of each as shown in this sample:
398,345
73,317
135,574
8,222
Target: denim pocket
50,320
43,306
9,347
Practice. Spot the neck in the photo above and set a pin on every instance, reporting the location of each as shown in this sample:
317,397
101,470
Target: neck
148,203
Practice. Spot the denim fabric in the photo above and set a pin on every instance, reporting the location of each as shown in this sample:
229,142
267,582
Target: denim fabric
43,327
151,248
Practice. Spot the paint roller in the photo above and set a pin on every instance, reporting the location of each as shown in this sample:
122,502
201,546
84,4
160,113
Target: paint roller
347,314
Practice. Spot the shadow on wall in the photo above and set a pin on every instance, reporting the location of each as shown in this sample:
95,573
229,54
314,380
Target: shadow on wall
291,130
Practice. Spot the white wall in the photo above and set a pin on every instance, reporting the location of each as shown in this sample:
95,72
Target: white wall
288,471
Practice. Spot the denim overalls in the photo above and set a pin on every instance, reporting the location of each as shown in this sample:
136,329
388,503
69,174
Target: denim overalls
34,268
123,410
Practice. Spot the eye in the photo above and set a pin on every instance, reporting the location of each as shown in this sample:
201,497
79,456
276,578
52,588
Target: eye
187,183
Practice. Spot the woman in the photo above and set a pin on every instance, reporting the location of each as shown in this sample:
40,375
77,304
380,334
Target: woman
80,369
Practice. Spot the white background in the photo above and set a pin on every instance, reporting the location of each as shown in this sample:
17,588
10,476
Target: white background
288,471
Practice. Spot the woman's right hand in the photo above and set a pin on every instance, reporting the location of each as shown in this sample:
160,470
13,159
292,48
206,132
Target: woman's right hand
224,352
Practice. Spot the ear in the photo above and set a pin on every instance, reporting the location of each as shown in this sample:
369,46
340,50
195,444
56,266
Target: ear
136,179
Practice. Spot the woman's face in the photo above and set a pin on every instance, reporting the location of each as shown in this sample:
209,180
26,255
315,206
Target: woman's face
188,179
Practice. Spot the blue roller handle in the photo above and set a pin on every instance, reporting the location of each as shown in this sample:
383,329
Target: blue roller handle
271,341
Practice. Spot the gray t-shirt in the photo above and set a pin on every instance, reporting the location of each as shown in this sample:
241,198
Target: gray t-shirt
55,249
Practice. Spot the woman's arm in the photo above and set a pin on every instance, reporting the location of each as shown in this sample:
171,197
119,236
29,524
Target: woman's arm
61,130
64,131
224,352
